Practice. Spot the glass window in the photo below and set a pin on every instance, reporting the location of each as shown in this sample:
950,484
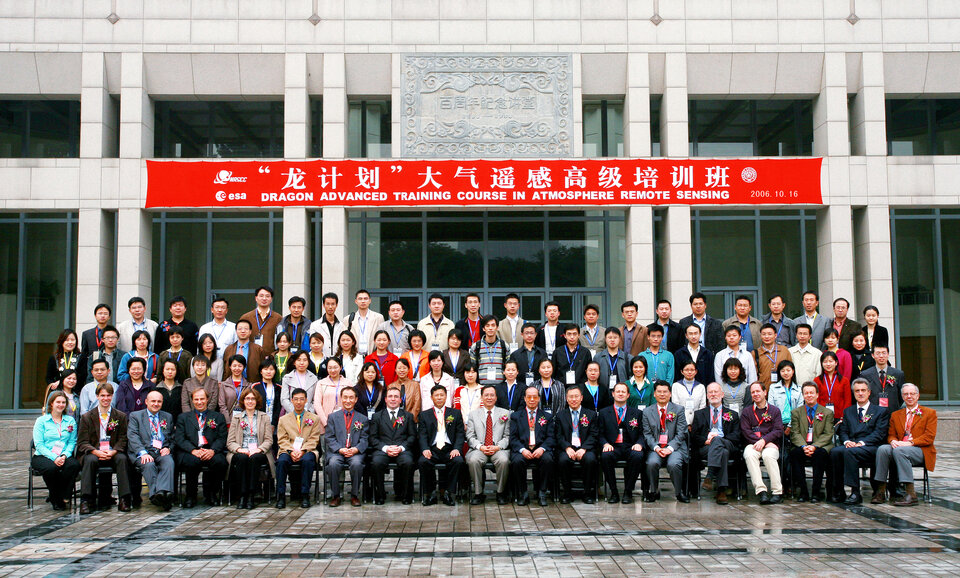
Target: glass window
9,262
950,249
316,127
751,127
946,114
515,252
397,263
369,131
39,128
455,254
603,128
917,311
655,104
576,254
218,129
781,257
728,253
908,127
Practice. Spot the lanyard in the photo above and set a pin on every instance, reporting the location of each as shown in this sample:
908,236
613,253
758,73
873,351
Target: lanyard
776,354
260,325
436,327
396,334
454,361
103,424
217,336
470,397
155,425
282,362
179,353
586,335
253,422
362,323
789,400
640,390
596,395
735,394
756,416
780,327
370,396
296,330
546,337
415,364
716,416
200,422
511,389
690,388
830,384
575,353
546,389
620,412
59,427
67,362
98,335
474,332
613,363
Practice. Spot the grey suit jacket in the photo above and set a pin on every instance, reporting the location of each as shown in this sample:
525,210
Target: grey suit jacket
139,436
820,324
676,428
336,432
477,428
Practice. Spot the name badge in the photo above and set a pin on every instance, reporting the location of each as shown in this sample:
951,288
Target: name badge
398,351
259,341
550,350
294,350
619,436
362,347
575,439
755,429
884,402
830,406
774,377
456,382
593,353
297,444
157,444
529,378
201,439
513,346
613,382
641,407
533,440
809,436
57,448
735,407
435,347
492,374
370,413
688,405
571,377
237,413
253,447
663,440
105,445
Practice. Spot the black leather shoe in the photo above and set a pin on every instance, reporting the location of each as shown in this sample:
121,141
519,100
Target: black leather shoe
543,500
379,501
430,500
448,499
137,502
565,499
406,501
305,502
242,503
281,503
157,500
502,499
853,500
627,498
476,500
683,498
524,499
648,497
589,500
189,503
167,501
816,498
764,498
124,505
85,508
249,503
613,498
803,498
776,499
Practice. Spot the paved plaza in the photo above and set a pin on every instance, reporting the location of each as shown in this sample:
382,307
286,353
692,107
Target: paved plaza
567,540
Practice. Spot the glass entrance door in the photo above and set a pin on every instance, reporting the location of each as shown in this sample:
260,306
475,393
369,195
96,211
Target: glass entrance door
720,303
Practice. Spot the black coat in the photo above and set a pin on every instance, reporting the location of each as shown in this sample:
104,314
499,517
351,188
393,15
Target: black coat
563,430
607,432
520,431
603,399
872,433
704,364
258,387
503,395
577,362
383,431
185,438
674,338
427,428
520,357
712,334
701,427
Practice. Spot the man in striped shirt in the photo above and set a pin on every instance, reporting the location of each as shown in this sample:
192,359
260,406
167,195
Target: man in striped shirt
490,353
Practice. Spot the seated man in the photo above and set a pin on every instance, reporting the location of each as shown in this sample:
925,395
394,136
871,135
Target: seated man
715,437
149,437
298,440
488,436
201,440
811,434
575,432
762,429
102,440
531,439
665,433
909,443
347,438
441,434
863,429
393,435
620,438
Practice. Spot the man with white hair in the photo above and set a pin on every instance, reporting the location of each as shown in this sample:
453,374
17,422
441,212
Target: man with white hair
909,443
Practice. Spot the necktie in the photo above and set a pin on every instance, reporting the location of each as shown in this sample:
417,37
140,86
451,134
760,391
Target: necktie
441,440
576,418
663,419
620,413
488,438
883,380
860,413
393,415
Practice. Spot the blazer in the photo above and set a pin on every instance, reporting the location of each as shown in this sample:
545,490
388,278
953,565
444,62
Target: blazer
704,364
891,391
126,331
639,342
364,403
88,436
448,365
674,339
819,325
427,428
603,398
503,395
227,396
880,337
787,336
872,431
254,356
608,429
139,433
468,340
129,400
330,338
161,339
702,424
373,322
520,357
577,363
209,383
541,339
849,329
507,334
56,365
386,432
214,429
923,429
277,406
563,430
621,367
822,428
752,323
676,428
840,398
477,428
310,431
269,332
599,344
712,335
436,334
557,396
290,382
542,431
264,438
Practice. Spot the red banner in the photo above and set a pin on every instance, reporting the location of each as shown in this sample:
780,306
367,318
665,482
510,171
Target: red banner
487,183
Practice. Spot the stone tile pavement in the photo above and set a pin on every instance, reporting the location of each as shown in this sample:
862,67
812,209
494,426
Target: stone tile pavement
489,540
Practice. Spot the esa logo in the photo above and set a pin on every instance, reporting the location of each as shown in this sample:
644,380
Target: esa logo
224,177
224,196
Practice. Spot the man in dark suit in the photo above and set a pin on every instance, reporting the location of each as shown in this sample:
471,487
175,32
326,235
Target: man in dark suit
885,381
575,430
510,390
102,440
672,336
846,327
863,430
531,441
91,340
715,437
149,438
570,360
442,436
665,433
694,347
200,439
619,437
711,328
527,357
550,335
393,435
614,362
347,437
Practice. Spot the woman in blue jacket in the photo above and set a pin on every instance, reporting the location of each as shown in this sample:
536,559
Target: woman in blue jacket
54,440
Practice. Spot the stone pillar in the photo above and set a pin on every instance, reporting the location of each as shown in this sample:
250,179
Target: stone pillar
134,260
335,275
333,244
674,138
95,254
831,135
296,108
334,106
874,265
868,123
835,258
640,266
677,261
296,220
636,107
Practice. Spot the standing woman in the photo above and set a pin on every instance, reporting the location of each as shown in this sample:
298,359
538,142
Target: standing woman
834,388
132,391
65,356
318,361
455,358
785,393
208,348
437,376
385,359
466,398
301,377
872,330
141,344
736,390
640,386
416,356
54,440
202,379
553,395
168,387
369,390
595,396
351,361
861,358
409,389
282,355
68,385
250,445
831,342
326,399
269,390
228,398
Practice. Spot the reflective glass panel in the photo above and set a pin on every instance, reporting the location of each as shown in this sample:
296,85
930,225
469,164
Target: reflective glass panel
917,299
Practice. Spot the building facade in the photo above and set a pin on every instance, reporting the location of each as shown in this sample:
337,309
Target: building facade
91,89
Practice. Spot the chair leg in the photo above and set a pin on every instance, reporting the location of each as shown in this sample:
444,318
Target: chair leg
30,488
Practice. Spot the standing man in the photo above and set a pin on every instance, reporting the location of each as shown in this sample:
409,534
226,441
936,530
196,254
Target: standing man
634,334
224,332
398,329
550,336
861,432
490,353
784,325
711,329
393,435
470,325
806,357
178,310
665,432
100,372
436,326
531,438
138,322
909,443
818,323
91,340
441,434
715,437
571,360
846,327
672,338
621,439
149,438
811,433
768,355
510,326
694,351
591,337
328,326
488,436
298,442
102,441
529,355
761,426
614,363
659,362
201,439
575,429
264,320
363,322
246,349
296,325
885,380
108,353
749,325
735,348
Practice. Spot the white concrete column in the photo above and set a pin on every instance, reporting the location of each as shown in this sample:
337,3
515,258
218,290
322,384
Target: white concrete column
334,106
134,259
869,109
95,253
335,276
835,265
296,107
640,267
874,264
296,257
831,135
674,136
636,109
98,113
677,260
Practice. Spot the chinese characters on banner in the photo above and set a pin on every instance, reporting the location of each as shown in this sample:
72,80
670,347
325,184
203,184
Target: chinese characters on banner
487,183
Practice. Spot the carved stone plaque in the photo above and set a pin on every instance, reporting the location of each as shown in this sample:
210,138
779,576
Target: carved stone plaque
487,105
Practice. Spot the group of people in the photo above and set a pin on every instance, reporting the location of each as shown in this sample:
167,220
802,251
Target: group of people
279,396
